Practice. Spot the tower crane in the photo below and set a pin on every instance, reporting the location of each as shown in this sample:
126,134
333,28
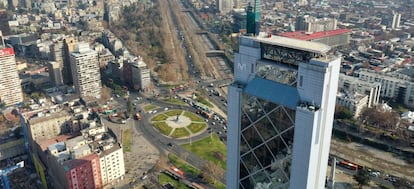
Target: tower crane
5,172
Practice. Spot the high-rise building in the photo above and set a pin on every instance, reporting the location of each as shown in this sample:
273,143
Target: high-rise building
140,74
239,20
224,6
237,4
311,24
4,22
396,18
280,113
69,45
85,71
10,88
55,73
253,18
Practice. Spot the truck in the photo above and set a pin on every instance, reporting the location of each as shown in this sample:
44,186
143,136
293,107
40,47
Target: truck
138,116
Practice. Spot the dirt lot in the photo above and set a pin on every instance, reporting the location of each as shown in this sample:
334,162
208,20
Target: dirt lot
373,158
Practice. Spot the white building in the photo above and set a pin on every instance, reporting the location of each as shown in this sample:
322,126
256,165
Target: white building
112,166
224,6
351,85
280,111
355,102
140,74
10,88
85,71
396,85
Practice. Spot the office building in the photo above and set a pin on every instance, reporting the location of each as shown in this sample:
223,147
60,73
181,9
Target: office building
253,18
85,71
224,6
55,73
311,24
10,88
280,113
140,75
239,20
4,22
69,45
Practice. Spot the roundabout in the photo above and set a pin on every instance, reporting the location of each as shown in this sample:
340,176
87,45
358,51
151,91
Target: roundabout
178,123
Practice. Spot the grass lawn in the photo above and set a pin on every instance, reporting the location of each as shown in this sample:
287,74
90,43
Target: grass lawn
164,179
196,127
211,149
219,185
193,117
180,132
126,140
173,112
163,127
184,166
174,101
159,117
202,100
149,107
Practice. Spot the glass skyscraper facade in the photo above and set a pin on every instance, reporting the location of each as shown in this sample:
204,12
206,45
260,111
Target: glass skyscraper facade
280,113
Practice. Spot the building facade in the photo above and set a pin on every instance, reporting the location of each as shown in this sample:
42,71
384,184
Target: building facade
85,71
280,113
311,24
140,75
10,88
55,73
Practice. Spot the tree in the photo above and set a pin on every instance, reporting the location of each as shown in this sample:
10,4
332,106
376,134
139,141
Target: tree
129,106
362,177
211,171
341,112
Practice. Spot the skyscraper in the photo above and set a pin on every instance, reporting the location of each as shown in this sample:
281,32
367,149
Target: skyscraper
85,71
280,113
10,88
253,18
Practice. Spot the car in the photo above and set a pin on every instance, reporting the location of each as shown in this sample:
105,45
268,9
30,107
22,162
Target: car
170,144
165,109
150,112
155,111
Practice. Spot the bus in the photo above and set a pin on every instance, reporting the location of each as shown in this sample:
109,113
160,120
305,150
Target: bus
349,165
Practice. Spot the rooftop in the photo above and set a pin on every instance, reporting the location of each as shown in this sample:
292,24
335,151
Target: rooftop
293,43
302,35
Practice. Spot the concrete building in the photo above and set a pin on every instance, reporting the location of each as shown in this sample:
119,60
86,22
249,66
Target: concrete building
239,20
140,75
333,38
355,102
85,71
92,160
396,18
112,165
397,85
224,6
10,88
351,85
311,24
47,126
4,22
55,73
69,46
280,113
